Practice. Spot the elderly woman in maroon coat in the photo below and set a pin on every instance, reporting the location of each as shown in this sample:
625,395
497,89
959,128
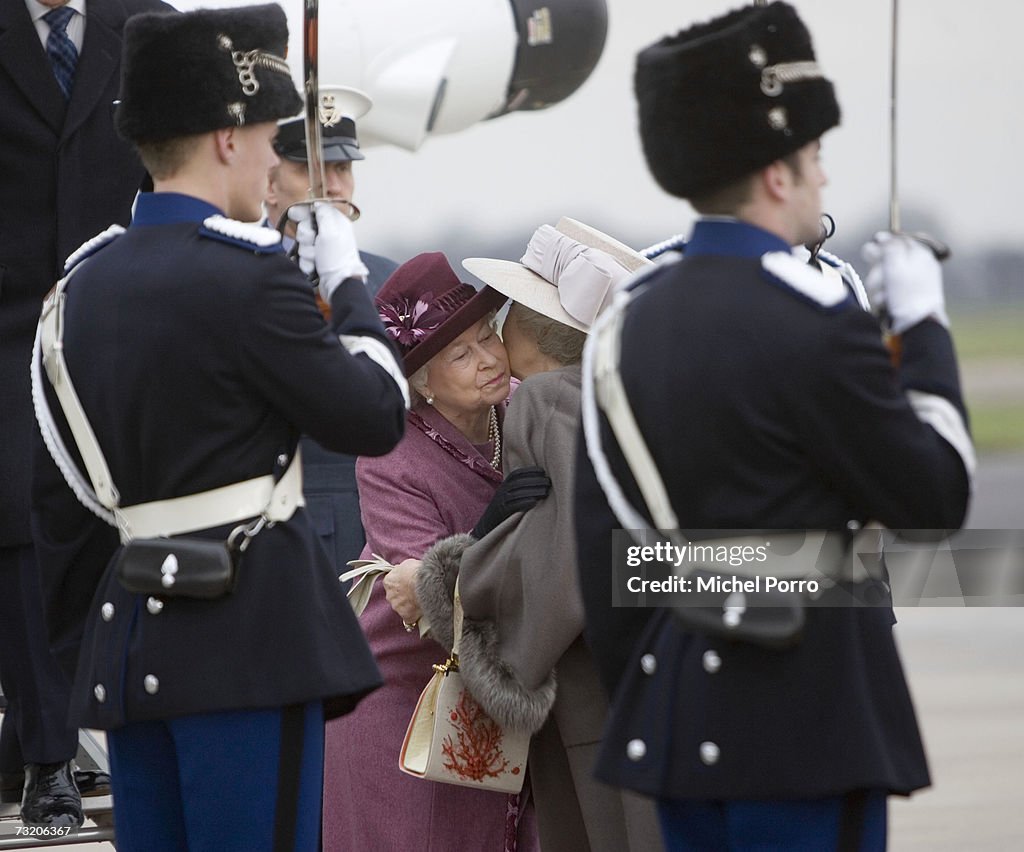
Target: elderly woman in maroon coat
438,481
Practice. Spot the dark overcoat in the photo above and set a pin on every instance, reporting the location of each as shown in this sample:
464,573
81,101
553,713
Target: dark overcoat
766,407
184,345
65,175
332,498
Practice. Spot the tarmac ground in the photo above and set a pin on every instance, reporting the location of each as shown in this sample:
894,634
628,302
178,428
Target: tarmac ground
966,675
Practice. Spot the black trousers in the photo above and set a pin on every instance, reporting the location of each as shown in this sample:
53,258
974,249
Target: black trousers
35,727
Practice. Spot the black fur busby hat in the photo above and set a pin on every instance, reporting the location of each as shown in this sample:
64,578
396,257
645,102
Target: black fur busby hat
193,72
723,99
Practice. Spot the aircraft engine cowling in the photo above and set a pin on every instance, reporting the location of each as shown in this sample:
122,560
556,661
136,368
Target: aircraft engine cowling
434,68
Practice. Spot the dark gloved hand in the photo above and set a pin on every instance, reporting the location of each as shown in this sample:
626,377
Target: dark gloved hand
522,489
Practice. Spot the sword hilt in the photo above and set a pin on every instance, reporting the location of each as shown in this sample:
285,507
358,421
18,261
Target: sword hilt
937,247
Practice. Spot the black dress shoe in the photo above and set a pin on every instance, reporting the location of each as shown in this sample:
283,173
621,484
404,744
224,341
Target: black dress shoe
92,782
51,797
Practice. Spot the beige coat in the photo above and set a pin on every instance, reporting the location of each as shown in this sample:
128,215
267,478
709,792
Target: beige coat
524,620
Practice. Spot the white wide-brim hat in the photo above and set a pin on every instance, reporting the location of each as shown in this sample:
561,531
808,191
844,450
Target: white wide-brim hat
587,281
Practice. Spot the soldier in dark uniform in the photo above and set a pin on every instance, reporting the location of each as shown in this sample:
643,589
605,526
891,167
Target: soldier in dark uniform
767,401
199,357
332,498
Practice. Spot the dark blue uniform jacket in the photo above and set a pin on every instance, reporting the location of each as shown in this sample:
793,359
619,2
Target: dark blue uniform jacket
765,409
199,359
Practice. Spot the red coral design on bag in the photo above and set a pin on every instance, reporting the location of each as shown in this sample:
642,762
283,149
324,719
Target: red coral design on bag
476,753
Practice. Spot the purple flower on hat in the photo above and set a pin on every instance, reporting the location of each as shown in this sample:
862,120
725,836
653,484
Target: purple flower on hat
410,323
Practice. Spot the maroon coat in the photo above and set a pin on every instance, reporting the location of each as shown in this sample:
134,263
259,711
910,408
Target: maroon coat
433,484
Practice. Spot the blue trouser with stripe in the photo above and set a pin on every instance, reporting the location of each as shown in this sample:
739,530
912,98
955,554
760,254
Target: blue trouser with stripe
209,782
845,823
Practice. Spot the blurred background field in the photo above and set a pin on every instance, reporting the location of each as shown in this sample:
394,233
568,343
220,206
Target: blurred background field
990,343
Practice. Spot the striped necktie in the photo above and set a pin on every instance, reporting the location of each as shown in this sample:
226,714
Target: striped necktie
61,49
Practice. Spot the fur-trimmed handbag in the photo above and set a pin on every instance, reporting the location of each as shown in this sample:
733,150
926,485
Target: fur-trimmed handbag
451,739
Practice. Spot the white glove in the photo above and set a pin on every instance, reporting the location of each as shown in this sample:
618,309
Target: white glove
906,279
872,253
327,245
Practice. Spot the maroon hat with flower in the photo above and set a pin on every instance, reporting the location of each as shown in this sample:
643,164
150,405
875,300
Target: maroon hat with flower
424,307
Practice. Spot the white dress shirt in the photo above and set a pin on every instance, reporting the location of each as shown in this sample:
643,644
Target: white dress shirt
76,26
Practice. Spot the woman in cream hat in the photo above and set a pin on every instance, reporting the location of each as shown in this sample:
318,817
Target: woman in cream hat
525,569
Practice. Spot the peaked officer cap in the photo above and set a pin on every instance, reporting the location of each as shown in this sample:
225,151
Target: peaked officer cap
193,72
339,108
724,99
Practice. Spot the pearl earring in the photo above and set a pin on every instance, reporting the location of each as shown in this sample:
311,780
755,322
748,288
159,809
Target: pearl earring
430,400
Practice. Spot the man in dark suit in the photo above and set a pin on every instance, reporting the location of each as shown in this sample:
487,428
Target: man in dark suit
768,401
329,478
65,174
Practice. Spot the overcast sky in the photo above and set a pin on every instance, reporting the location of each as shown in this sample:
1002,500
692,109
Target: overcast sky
961,133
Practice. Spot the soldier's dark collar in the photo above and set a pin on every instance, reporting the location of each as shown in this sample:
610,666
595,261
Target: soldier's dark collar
164,208
732,237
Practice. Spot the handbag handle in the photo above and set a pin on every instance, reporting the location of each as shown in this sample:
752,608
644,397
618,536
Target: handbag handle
456,622
452,663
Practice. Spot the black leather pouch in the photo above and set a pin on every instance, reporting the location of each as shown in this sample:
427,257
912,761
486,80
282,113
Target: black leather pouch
178,567
769,619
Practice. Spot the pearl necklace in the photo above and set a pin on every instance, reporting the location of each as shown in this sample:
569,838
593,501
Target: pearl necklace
494,435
